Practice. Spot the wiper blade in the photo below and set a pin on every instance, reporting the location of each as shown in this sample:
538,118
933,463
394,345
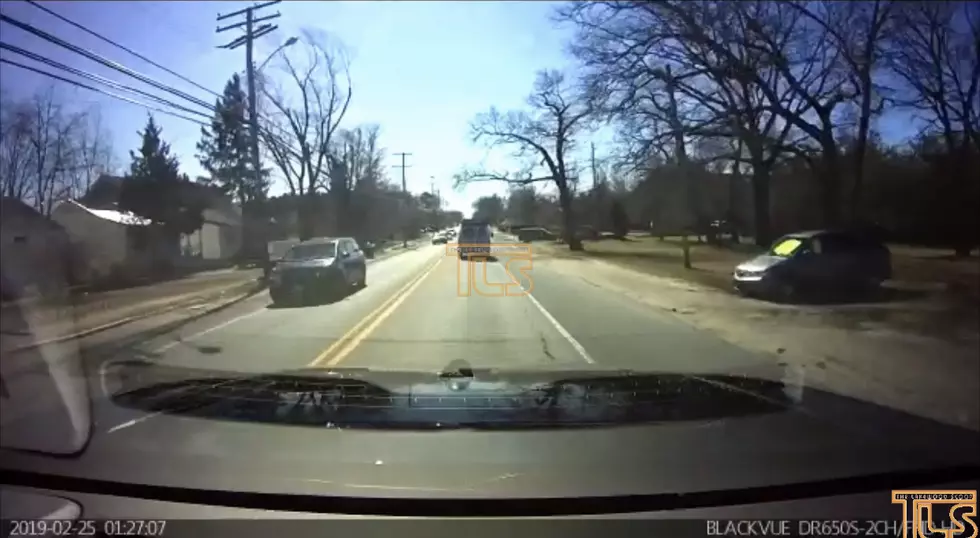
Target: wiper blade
258,397
456,398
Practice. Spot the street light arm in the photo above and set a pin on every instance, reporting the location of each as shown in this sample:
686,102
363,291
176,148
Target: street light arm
289,42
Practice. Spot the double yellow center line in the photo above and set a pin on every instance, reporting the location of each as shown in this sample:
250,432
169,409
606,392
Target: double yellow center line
341,348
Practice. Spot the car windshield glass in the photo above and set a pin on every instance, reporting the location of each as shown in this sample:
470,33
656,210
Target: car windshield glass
786,247
310,252
474,233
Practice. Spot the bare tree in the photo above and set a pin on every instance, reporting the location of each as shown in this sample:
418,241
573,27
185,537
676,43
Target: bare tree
16,153
803,59
356,159
543,137
858,31
936,54
301,131
48,152
55,151
95,154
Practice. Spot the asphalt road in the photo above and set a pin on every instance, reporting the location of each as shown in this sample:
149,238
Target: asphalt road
422,310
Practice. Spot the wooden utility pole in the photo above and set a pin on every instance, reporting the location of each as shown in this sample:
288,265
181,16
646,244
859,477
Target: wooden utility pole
595,171
403,166
248,38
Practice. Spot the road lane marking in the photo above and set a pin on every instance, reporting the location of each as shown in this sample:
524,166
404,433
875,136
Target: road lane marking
562,331
133,422
346,343
206,331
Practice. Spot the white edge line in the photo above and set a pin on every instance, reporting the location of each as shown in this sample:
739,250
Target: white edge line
133,422
206,331
561,330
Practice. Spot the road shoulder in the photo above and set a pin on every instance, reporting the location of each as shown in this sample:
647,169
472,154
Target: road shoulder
921,374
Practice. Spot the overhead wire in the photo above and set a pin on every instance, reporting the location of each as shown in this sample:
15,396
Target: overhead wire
101,59
97,90
120,46
97,78
127,71
105,39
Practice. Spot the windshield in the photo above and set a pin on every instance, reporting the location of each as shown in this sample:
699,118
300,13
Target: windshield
474,233
575,223
311,252
786,247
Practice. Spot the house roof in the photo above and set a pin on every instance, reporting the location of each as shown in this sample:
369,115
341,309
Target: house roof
112,215
104,194
14,207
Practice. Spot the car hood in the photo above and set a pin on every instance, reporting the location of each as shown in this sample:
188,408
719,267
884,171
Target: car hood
761,263
488,434
305,264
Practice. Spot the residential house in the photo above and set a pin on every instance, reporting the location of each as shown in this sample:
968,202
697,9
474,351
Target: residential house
108,242
35,251
219,238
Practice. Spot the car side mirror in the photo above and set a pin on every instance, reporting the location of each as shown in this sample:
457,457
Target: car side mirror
345,254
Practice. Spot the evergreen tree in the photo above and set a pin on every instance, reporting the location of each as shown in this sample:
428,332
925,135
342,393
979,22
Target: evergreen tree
224,150
156,190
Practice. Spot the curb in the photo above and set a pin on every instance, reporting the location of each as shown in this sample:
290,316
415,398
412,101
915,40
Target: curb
258,287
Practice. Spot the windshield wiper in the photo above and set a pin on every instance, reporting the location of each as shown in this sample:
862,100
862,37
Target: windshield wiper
456,398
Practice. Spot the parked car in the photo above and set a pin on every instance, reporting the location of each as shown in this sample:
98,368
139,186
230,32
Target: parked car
440,238
316,267
526,235
823,260
587,232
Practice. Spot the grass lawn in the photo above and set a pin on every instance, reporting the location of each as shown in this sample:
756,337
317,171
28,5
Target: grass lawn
913,267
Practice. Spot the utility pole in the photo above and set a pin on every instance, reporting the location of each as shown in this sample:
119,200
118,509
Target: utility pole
251,34
403,166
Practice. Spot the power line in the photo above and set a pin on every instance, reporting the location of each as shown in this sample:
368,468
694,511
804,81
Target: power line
97,78
123,69
105,39
102,80
97,90
123,47
127,49
102,60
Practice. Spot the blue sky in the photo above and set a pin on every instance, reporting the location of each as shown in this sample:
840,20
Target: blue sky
421,70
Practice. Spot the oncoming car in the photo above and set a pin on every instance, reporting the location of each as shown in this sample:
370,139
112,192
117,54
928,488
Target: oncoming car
318,266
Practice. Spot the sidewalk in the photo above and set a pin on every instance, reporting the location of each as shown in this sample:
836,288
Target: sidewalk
92,312
850,351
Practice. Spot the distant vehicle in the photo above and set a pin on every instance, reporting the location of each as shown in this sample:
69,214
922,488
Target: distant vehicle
473,235
440,239
588,232
528,234
803,262
315,267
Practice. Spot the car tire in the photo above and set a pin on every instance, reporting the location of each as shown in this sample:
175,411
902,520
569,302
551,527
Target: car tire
787,291
873,284
277,299
362,279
